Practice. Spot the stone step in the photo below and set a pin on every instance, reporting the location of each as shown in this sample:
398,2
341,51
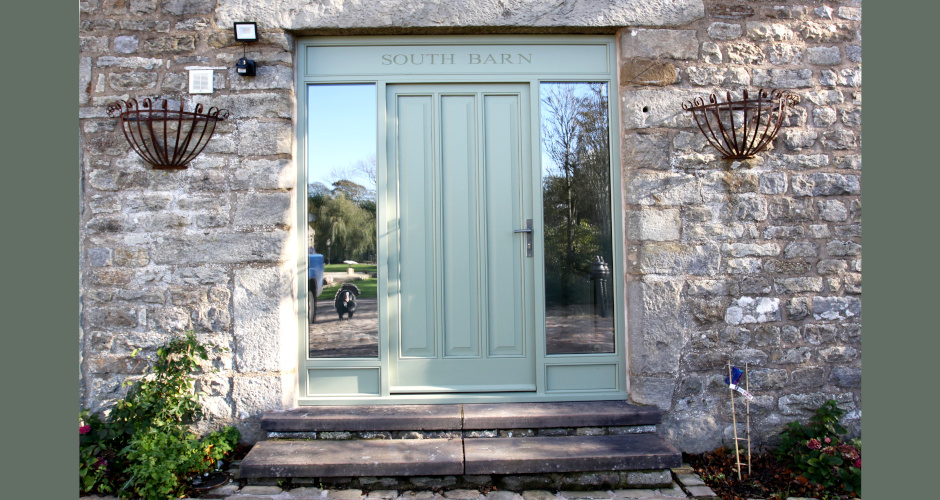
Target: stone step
540,455
550,415
378,457
441,457
460,417
364,418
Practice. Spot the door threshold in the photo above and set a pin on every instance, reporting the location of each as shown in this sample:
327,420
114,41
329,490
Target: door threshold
457,398
423,389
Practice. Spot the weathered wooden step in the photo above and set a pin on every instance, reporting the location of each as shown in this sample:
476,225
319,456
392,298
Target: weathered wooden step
538,455
321,458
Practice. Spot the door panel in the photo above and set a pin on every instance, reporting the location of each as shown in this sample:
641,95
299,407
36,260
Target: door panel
462,185
506,293
461,255
417,198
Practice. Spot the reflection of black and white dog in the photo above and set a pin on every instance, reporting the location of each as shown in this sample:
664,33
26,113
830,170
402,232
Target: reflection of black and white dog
345,300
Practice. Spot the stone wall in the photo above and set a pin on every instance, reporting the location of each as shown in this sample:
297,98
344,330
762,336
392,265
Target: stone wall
210,248
757,261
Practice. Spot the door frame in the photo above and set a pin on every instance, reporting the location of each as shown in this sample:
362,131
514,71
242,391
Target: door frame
341,60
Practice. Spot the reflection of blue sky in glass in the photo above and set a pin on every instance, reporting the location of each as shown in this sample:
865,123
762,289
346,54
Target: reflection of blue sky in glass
581,89
341,128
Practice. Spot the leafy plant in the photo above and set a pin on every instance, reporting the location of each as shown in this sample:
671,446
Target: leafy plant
93,462
160,459
818,453
146,444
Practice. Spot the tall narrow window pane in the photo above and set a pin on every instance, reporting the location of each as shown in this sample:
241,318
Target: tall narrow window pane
341,233
579,313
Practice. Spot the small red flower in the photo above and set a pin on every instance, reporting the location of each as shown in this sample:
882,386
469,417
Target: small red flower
813,444
858,464
85,429
101,463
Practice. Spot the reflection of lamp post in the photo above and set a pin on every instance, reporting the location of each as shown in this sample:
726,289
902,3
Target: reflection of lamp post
599,276
328,251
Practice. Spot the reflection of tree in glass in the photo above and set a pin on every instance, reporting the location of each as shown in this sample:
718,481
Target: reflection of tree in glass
576,187
346,216
346,213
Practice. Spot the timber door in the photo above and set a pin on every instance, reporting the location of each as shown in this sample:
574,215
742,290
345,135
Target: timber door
459,193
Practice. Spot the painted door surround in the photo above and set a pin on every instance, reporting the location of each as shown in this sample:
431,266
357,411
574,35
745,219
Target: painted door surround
461,307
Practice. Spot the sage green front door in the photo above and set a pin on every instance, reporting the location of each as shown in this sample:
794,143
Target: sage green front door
460,197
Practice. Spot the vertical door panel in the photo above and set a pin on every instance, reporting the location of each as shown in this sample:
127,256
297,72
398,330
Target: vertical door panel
505,294
416,202
459,225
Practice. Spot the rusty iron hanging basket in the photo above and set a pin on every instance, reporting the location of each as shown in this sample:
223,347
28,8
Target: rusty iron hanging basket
740,129
163,133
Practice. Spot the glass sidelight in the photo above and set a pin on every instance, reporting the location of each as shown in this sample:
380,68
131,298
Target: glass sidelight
576,203
341,232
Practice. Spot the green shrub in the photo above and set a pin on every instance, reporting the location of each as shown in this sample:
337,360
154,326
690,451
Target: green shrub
819,453
160,459
93,455
146,445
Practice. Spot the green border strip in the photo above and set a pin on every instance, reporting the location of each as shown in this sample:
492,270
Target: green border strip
900,241
40,196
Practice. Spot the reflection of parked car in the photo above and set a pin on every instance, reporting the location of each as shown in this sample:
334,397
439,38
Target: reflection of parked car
314,282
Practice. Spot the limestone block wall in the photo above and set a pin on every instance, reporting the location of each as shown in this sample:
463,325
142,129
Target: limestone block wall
211,248
757,261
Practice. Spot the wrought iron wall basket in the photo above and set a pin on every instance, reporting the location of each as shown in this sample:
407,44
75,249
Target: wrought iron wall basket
163,133
740,129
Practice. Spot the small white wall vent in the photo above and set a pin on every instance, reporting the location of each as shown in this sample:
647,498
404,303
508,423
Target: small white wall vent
200,81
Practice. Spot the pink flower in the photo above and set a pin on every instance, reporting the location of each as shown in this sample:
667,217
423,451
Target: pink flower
858,464
813,444
849,452
827,440
101,463
829,450
85,429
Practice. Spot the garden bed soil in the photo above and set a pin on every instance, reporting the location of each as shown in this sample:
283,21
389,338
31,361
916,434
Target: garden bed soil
768,478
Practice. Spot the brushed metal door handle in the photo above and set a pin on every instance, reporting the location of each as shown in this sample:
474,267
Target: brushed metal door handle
528,236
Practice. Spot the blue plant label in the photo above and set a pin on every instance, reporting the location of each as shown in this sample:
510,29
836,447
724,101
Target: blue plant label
733,382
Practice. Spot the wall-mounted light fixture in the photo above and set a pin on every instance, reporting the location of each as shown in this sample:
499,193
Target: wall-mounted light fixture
245,32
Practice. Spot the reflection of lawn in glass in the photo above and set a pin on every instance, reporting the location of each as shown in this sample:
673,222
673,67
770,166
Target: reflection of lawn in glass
367,289
341,268
366,286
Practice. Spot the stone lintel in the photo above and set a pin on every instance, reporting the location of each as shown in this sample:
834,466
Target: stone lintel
303,15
